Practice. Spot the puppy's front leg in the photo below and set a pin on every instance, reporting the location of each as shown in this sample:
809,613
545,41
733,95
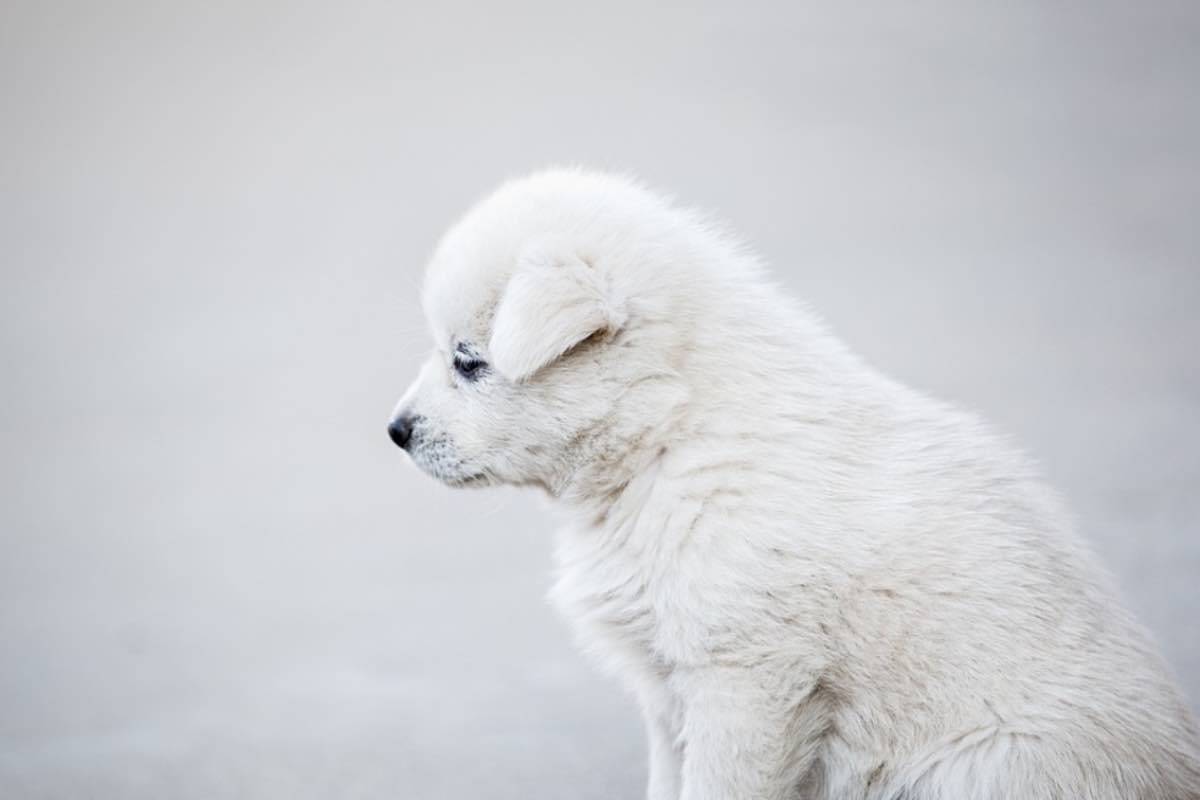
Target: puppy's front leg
749,734
660,710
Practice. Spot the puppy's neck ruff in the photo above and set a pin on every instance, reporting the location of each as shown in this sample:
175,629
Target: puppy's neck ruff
610,463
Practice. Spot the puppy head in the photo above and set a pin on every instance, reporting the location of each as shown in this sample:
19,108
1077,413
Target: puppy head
533,366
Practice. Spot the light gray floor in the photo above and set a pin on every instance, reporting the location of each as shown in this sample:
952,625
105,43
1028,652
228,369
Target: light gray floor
220,580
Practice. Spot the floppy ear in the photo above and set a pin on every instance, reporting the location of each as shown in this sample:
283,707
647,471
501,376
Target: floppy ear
554,300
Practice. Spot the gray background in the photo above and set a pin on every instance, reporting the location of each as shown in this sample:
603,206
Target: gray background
218,577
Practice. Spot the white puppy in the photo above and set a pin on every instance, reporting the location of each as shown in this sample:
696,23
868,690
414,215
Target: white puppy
818,582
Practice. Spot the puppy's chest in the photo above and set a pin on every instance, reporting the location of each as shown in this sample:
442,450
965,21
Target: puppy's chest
612,595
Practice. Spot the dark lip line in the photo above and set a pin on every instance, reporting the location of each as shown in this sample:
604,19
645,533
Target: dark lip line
470,480
475,479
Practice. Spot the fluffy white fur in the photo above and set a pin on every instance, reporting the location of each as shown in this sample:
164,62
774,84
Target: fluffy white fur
818,582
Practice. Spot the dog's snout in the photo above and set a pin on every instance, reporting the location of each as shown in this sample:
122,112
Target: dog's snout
401,429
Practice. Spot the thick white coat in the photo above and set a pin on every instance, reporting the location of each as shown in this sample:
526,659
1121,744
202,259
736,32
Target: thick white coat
818,582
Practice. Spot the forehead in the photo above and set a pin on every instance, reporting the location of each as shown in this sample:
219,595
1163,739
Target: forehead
476,257
457,307
473,262
463,282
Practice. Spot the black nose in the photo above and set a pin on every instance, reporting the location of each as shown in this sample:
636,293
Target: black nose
401,430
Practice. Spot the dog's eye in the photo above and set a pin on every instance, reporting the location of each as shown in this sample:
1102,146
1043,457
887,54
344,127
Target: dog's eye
469,368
